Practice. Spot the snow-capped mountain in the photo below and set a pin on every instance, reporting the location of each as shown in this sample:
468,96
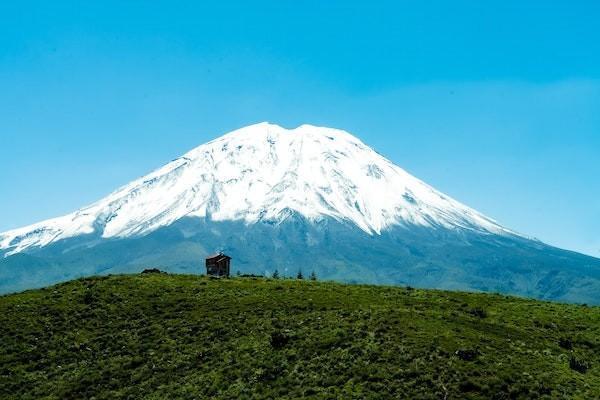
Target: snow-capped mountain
309,198
264,172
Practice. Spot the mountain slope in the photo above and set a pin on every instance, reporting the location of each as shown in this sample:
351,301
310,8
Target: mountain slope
264,172
162,336
309,198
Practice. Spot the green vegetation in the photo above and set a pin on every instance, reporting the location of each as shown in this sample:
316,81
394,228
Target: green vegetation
161,336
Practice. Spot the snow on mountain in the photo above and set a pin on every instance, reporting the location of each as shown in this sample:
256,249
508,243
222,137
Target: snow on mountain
264,172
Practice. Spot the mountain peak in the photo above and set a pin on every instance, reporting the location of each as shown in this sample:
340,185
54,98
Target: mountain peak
264,172
268,129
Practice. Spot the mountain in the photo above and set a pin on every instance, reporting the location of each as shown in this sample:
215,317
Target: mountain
309,198
264,173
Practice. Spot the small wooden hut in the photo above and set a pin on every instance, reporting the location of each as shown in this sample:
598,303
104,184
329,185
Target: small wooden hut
218,265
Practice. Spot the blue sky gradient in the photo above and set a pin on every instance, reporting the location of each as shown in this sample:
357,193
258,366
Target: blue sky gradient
495,103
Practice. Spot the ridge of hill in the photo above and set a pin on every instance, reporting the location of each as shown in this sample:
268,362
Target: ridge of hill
162,336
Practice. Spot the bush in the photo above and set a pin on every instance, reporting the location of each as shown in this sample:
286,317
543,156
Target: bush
88,297
565,343
468,386
152,271
279,339
478,312
578,365
467,354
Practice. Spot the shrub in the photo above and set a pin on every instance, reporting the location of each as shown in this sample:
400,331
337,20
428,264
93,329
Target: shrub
578,365
152,271
565,343
468,386
467,354
279,339
88,297
478,312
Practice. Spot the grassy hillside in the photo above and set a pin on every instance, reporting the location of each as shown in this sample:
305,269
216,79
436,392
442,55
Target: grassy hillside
163,336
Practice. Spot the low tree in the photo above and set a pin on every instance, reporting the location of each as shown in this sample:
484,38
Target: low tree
275,274
299,276
313,276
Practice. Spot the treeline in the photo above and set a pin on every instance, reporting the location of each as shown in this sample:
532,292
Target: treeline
277,275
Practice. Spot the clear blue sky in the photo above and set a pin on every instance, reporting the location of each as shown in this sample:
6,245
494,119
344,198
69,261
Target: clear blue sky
496,103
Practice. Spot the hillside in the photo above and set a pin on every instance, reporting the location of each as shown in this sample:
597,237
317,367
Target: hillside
163,336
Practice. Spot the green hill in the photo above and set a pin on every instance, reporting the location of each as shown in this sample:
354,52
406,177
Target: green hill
164,336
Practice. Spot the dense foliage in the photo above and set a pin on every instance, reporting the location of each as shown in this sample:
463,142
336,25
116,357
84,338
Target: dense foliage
163,336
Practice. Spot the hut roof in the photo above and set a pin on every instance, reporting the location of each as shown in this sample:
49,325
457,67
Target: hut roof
218,256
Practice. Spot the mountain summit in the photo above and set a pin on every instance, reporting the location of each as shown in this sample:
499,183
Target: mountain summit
310,197
265,172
